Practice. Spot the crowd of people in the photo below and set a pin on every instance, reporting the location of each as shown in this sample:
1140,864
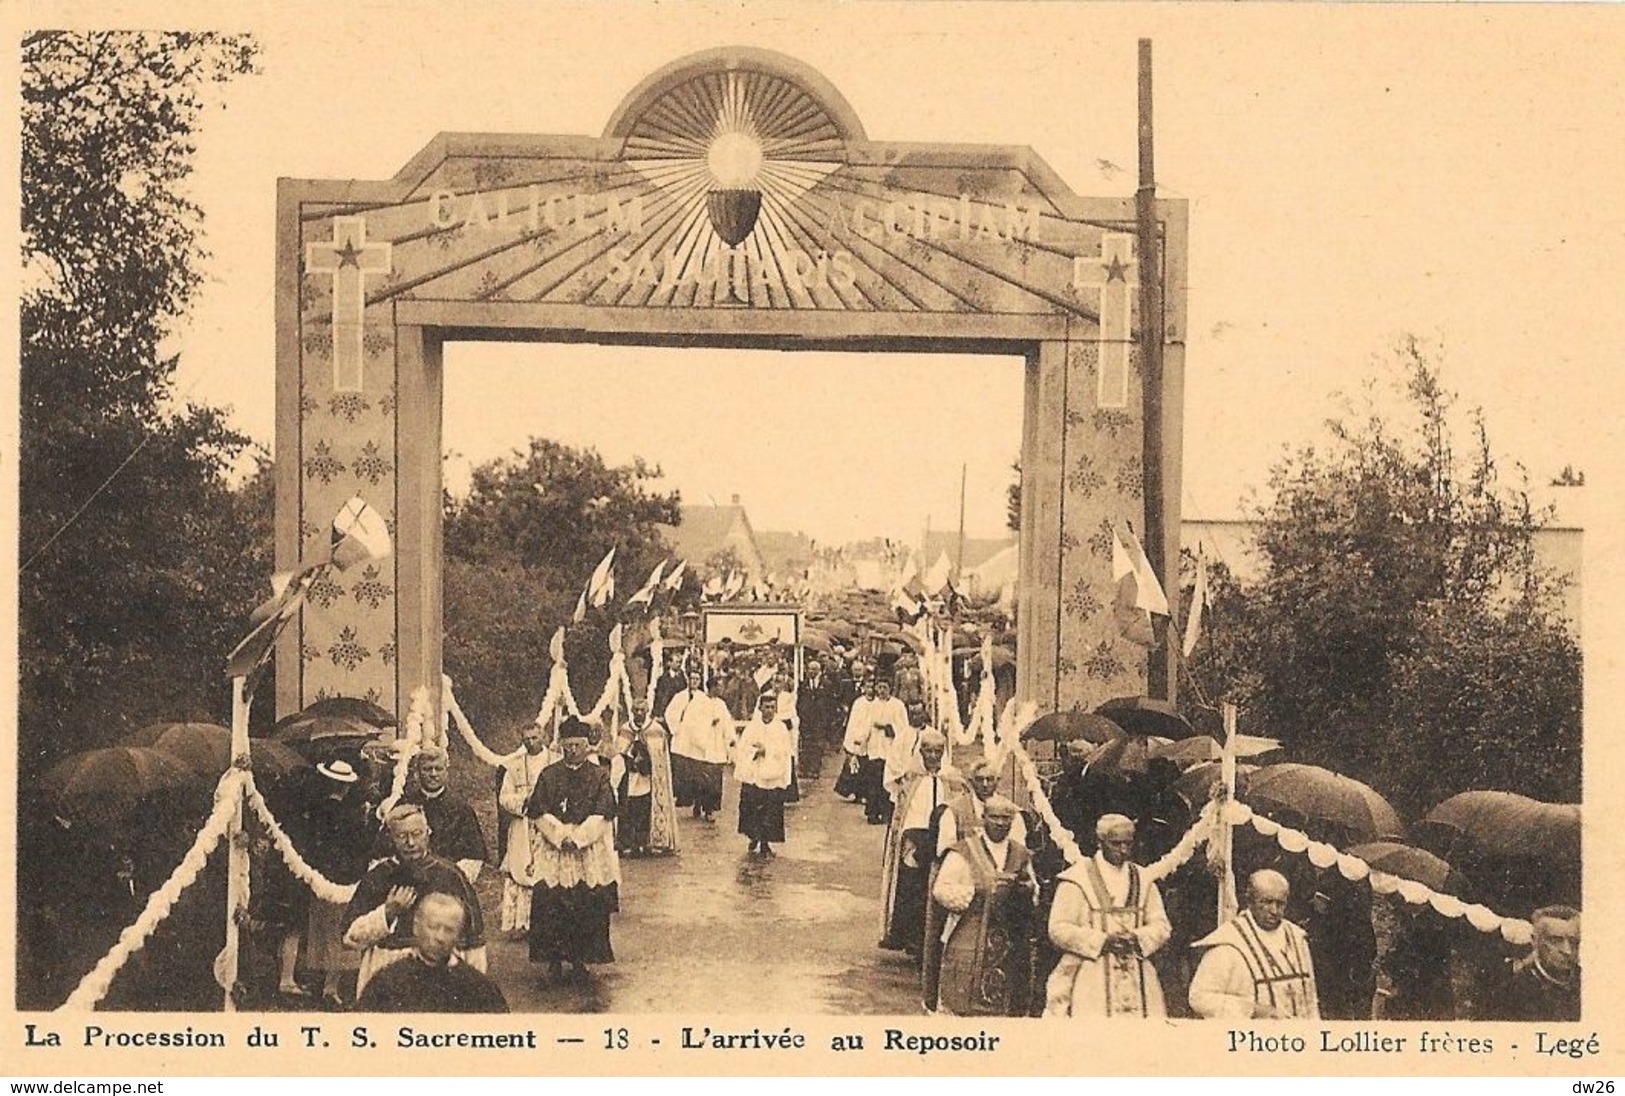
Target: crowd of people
976,892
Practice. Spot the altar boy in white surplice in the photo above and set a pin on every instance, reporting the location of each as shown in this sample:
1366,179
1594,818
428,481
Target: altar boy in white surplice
1108,921
519,773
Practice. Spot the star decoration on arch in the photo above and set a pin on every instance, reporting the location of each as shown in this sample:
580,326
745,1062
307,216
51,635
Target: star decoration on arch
349,255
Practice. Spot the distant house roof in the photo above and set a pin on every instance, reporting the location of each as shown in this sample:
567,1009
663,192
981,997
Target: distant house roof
978,550
707,530
784,554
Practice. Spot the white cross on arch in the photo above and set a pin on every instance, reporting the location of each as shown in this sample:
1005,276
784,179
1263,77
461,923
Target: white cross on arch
349,258
1115,272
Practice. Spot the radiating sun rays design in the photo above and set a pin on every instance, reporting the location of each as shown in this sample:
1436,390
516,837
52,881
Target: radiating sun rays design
736,151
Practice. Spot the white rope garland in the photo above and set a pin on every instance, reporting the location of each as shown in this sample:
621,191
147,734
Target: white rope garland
416,735
1007,729
1511,929
94,986
1172,861
466,729
657,661
617,670
321,886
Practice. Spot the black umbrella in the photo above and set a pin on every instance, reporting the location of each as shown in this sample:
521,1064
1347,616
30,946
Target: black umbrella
1146,715
1067,726
105,785
1521,852
303,729
1503,825
1195,785
1320,795
353,707
206,749
1409,862
1130,753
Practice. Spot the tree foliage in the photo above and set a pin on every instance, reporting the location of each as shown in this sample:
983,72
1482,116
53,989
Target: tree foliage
519,549
137,559
1012,501
1403,631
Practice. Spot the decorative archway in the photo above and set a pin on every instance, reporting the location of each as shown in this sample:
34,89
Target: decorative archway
733,200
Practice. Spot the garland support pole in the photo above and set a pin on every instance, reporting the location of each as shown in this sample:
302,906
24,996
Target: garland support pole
236,850
1225,834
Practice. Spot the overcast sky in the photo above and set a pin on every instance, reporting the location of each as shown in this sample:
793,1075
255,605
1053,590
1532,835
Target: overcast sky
1354,172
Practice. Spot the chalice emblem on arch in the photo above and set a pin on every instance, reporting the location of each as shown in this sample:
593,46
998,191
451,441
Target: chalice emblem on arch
737,151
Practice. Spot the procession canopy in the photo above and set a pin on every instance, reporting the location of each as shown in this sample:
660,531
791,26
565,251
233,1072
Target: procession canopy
733,199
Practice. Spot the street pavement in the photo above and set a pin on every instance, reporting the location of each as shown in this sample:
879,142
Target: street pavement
714,930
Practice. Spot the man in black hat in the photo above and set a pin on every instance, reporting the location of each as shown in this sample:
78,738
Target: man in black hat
574,862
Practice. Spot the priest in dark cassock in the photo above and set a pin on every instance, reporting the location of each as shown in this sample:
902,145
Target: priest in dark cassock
673,680
577,872
456,829
911,843
979,963
432,978
1069,796
381,910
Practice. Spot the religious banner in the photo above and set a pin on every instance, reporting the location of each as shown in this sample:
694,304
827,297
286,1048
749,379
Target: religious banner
752,627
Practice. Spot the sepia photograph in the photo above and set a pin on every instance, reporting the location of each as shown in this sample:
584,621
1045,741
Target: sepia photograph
982,515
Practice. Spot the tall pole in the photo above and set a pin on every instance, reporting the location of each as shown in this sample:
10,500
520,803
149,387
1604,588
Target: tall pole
236,851
1160,679
1223,833
959,555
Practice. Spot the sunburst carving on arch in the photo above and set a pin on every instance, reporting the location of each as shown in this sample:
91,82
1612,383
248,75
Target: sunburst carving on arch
737,150
731,178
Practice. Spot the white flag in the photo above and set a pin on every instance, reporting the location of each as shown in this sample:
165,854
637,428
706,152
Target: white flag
359,535
674,581
601,587
646,594
1138,593
937,577
1148,593
1193,620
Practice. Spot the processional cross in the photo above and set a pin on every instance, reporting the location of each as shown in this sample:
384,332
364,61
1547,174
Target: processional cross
349,258
1115,272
